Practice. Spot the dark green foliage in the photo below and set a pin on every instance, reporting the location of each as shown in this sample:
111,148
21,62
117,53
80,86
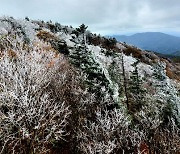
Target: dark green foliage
167,114
58,26
158,72
52,28
82,28
135,89
135,81
111,42
27,19
116,77
60,46
82,59
75,32
108,52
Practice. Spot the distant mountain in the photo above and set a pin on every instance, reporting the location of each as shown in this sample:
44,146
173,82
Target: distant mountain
154,41
177,53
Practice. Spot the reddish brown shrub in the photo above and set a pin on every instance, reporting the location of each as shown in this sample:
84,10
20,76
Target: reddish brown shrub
45,36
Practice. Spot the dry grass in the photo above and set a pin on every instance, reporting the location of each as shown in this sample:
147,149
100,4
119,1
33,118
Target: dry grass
45,36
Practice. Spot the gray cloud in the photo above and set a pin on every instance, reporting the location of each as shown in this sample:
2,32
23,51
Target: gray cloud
102,16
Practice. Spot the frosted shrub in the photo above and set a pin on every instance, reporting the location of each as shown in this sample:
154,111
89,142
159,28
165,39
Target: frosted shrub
48,105
155,131
108,133
31,115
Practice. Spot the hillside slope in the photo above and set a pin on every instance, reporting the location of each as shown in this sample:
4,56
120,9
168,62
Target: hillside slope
153,41
66,90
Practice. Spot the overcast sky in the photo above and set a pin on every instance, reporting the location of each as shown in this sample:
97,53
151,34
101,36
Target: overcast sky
102,16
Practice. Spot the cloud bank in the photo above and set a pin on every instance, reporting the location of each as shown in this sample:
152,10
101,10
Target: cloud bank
102,16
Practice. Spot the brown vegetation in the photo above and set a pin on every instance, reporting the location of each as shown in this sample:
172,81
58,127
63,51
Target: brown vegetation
12,53
46,36
172,69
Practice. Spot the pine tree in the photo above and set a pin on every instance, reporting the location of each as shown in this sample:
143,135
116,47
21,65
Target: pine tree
158,72
125,82
82,58
27,19
81,31
135,89
82,28
167,96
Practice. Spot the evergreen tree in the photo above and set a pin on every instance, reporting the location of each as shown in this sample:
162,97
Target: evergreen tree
82,28
82,58
81,31
159,73
125,81
170,101
135,80
116,77
27,19
135,89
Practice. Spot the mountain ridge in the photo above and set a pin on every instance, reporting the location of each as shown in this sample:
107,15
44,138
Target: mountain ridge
67,90
154,41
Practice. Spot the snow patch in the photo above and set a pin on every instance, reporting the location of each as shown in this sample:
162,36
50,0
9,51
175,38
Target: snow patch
128,61
120,46
145,69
